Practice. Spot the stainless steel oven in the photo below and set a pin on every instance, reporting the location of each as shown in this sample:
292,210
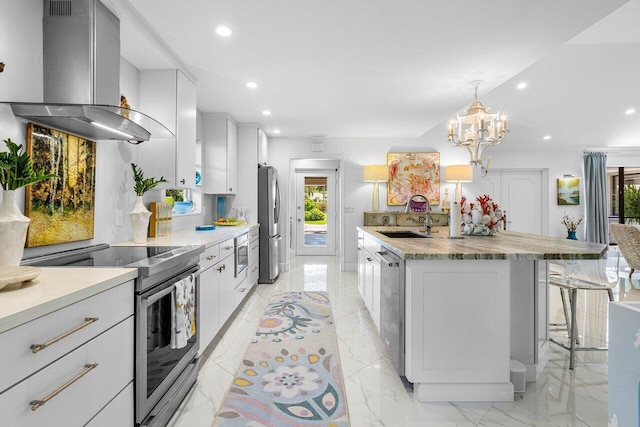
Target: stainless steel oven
241,253
165,362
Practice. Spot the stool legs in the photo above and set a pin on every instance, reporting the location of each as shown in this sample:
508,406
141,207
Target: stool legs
574,330
566,311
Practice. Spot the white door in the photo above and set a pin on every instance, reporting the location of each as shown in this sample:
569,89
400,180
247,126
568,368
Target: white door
522,194
316,212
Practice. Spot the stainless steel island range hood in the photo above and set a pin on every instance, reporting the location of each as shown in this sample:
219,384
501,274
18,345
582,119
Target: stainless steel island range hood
81,44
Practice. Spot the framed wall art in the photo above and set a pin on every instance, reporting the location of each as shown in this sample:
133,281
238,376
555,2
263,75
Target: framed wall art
413,174
61,209
569,191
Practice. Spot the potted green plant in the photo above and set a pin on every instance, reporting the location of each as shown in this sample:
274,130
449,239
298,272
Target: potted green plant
140,214
16,171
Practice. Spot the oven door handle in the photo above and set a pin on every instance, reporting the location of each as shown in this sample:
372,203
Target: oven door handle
155,297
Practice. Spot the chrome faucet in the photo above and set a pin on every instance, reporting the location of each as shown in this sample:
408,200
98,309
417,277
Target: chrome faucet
427,220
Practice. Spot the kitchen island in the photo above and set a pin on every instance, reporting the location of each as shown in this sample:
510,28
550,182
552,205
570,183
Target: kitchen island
471,305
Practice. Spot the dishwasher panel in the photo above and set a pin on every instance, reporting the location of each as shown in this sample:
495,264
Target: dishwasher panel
392,307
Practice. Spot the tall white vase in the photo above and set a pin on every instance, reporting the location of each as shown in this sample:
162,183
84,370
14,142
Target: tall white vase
13,230
139,221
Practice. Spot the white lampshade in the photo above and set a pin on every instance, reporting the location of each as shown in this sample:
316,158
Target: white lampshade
458,173
373,173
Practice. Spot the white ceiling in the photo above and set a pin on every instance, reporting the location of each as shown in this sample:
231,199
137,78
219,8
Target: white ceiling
400,68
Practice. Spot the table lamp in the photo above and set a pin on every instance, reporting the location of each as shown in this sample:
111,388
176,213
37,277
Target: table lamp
376,174
458,174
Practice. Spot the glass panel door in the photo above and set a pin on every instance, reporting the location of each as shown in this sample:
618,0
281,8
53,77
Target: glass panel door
315,213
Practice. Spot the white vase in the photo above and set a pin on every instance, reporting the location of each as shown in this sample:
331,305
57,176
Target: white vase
13,230
139,221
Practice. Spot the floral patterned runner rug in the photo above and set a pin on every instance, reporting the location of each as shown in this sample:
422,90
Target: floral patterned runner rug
290,374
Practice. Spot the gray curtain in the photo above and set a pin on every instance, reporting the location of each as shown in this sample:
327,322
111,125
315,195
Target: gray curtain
595,185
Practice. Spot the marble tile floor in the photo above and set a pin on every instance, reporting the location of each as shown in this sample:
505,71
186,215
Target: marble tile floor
376,395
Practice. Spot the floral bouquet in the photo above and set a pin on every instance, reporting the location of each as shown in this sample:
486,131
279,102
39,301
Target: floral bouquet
570,222
482,218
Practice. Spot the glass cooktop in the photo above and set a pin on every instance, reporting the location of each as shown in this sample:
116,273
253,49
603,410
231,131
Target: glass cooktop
149,260
109,256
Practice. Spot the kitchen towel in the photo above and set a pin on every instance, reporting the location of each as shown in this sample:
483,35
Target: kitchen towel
190,306
179,332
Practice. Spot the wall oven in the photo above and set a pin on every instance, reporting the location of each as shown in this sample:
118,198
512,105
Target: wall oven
168,281
241,244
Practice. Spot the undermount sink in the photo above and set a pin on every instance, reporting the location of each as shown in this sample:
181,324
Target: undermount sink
404,234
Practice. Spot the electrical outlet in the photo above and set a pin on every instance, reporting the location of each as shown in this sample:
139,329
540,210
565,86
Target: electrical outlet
349,209
118,217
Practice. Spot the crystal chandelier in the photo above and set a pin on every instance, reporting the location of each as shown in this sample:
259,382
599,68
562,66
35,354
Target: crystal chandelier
477,129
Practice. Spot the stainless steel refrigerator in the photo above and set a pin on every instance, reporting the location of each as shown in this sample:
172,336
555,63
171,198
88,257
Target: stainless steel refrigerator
268,216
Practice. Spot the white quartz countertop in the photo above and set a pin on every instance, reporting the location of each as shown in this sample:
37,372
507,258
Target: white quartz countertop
193,237
58,287
55,288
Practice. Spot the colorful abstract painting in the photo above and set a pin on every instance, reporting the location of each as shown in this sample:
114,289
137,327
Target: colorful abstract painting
568,191
61,209
413,174
291,373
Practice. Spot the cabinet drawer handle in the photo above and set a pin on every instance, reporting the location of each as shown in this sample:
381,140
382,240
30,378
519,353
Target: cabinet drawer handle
222,267
210,257
243,289
228,248
255,247
369,259
35,404
87,321
254,269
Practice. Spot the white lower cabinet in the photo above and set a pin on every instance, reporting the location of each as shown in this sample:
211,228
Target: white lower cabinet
120,408
227,290
216,290
220,292
369,277
209,297
70,391
67,366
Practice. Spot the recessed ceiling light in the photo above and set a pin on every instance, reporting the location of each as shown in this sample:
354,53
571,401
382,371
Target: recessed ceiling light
521,85
276,131
630,111
266,113
546,137
224,31
252,85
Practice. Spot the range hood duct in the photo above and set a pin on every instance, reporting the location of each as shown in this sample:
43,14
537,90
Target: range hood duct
81,62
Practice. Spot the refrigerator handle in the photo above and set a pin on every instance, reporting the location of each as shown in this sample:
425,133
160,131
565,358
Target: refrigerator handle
277,237
276,209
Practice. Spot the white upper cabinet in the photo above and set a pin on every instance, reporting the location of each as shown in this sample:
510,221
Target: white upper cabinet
252,144
219,154
169,97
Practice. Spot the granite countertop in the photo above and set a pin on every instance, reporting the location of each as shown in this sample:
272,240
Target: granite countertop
55,288
502,245
192,237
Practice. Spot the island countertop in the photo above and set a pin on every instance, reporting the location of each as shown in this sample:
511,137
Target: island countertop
501,245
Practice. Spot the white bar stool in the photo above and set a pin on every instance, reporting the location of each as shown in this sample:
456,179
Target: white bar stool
572,285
